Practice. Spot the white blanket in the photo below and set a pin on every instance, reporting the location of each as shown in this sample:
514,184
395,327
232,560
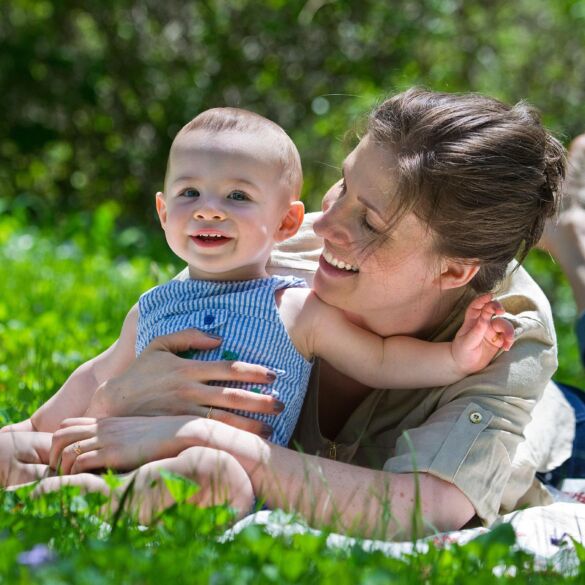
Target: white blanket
547,532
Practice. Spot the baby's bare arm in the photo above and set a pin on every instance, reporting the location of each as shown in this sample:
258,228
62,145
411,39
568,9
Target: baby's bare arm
74,396
392,362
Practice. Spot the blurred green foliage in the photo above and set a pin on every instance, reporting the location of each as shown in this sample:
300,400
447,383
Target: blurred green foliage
93,92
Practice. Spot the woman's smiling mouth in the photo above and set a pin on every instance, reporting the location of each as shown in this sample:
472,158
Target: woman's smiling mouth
340,264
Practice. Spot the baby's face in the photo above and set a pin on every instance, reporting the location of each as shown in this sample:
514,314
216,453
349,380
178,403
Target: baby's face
224,203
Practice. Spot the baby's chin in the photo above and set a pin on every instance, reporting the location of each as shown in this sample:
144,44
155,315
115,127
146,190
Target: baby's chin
227,273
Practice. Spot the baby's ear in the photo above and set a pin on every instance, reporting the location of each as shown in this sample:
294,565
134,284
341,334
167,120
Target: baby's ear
291,222
161,208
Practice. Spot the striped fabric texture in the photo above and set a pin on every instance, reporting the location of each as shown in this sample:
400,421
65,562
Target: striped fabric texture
245,315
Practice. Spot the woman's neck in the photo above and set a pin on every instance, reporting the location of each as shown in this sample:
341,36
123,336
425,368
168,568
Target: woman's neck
420,320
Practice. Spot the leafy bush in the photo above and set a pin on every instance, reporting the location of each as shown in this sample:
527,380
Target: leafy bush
93,92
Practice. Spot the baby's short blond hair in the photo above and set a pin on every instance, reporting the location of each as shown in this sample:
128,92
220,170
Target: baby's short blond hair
239,120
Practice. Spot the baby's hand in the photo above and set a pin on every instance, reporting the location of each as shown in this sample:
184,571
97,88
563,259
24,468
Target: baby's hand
482,335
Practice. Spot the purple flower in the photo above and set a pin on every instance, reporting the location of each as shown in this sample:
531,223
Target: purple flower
559,541
38,555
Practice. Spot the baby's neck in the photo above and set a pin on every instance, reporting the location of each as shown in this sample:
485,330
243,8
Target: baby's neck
240,273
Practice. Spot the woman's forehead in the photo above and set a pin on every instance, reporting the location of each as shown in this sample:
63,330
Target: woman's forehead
371,169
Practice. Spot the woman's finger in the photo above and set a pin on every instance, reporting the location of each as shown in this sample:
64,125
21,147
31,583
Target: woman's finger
244,423
91,461
183,341
228,398
74,422
73,451
68,436
229,371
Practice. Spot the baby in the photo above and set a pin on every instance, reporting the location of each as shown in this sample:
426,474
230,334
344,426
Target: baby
231,192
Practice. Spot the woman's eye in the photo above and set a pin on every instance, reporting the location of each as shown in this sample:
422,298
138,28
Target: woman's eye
190,193
368,225
342,187
238,196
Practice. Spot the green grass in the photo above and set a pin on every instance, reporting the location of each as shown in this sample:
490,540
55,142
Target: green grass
62,300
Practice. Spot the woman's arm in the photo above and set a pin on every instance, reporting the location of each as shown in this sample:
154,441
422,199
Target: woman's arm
341,496
328,493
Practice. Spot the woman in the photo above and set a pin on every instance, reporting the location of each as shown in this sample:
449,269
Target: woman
435,202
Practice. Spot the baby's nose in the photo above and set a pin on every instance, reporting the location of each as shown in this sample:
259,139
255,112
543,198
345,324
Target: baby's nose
209,214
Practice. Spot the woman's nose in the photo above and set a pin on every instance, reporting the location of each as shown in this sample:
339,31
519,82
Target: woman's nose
333,225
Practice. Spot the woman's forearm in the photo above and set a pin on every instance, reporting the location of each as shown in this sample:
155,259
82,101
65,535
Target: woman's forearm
341,496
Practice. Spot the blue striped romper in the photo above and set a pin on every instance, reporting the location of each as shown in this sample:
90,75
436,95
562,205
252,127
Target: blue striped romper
245,315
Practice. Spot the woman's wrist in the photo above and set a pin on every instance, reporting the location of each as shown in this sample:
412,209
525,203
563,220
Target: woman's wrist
252,452
100,405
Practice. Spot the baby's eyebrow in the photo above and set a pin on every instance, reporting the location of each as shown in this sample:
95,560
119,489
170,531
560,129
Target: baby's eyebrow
242,182
184,180
228,180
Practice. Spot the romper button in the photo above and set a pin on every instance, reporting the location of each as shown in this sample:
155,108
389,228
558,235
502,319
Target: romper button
475,418
208,319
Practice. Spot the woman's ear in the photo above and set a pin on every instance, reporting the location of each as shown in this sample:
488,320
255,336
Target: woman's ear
456,273
161,208
291,222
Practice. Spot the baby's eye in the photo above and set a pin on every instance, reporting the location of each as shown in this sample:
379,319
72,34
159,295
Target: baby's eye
238,196
190,193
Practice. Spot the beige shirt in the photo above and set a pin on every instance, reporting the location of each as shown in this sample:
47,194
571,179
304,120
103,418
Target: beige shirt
467,433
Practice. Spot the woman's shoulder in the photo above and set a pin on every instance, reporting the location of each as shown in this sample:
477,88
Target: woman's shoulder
524,300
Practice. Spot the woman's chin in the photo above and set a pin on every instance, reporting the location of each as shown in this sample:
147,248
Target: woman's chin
333,285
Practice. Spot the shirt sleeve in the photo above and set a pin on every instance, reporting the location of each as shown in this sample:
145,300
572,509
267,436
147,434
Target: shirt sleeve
472,432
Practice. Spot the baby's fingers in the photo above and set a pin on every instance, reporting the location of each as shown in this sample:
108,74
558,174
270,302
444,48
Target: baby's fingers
475,308
492,308
503,333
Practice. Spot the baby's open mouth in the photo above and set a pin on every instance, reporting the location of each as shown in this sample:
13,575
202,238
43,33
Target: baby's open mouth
210,239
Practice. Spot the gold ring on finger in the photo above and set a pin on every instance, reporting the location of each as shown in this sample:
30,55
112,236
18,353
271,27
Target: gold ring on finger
77,449
209,412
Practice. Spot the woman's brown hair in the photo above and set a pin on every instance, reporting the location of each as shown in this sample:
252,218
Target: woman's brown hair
484,176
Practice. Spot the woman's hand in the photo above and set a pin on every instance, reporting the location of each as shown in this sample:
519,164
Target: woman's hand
85,444
161,383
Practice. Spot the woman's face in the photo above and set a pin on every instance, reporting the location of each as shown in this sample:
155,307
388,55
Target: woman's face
365,270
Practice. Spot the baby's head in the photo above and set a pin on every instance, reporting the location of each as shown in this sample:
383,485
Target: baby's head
232,190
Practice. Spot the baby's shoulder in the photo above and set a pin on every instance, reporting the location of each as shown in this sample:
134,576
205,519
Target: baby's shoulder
292,299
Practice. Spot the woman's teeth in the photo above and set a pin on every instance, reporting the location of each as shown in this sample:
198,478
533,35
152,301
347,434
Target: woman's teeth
330,259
